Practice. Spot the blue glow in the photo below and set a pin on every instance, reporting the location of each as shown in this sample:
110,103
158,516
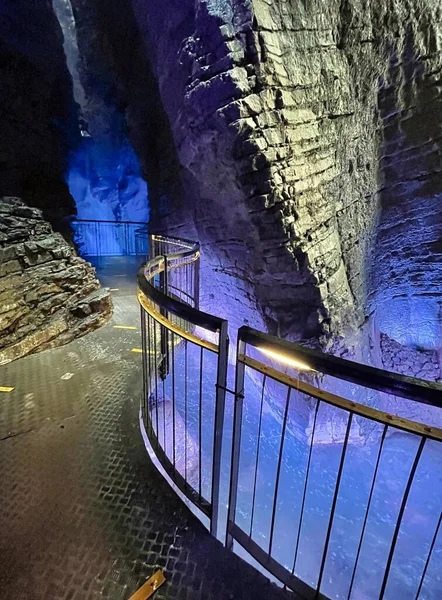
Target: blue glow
106,185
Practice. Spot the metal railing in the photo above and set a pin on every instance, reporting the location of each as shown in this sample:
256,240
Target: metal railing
332,497
318,493
174,358
107,238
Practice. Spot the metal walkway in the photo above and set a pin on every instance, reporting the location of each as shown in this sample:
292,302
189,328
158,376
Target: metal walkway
83,512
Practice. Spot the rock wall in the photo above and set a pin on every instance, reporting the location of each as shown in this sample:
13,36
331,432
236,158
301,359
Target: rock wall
307,136
406,278
37,112
48,295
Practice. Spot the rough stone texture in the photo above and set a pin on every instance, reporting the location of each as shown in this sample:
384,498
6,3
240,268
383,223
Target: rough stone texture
298,170
48,295
37,113
407,361
405,287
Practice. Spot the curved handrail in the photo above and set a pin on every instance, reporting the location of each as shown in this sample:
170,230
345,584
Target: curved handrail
356,408
182,242
411,388
170,303
176,306
154,296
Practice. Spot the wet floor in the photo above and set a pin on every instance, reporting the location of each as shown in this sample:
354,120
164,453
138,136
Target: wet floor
83,512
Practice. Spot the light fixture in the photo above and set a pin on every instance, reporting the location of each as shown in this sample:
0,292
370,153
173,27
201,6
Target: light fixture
286,360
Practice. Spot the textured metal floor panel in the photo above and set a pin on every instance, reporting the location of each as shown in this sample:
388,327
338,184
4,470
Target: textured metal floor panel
83,512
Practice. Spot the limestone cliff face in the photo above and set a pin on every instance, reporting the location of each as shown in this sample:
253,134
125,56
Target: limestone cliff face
308,143
48,295
207,63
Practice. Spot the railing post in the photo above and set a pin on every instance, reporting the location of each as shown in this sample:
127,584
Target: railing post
236,443
164,337
196,291
144,356
98,242
150,248
221,384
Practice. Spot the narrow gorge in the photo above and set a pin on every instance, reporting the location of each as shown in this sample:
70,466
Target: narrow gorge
299,142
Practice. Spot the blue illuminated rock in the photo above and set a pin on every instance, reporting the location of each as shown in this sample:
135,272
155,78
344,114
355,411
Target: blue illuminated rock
104,174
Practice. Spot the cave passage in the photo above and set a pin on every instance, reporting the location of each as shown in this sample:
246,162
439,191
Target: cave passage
104,173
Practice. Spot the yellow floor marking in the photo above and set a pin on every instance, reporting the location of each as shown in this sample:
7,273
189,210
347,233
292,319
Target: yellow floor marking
6,389
150,587
114,289
125,327
140,351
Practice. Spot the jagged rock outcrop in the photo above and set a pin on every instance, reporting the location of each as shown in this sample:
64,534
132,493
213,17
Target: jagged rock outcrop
48,295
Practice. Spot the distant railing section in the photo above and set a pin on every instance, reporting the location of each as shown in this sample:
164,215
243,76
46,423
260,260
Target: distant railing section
339,519
107,238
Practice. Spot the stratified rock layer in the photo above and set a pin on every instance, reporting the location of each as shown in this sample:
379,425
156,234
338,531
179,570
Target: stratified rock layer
308,139
299,141
48,295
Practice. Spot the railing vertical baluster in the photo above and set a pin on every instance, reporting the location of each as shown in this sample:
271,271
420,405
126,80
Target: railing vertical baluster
150,247
236,438
144,354
196,288
304,493
185,409
430,552
180,286
164,285
200,423
97,242
335,500
155,344
258,445
221,382
164,414
173,399
149,370
401,514
278,469
367,511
